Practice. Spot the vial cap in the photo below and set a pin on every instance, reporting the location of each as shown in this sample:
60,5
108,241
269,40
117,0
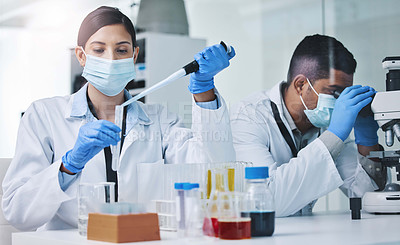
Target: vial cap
187,186
256,172
179,186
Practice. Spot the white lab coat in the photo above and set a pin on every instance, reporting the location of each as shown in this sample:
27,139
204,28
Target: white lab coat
294,182
32,195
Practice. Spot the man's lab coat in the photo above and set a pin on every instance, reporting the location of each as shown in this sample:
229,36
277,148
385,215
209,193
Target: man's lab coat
294,181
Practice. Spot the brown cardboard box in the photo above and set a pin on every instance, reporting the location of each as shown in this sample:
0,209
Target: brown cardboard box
123,228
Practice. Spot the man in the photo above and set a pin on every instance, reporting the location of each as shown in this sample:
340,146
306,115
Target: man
300,130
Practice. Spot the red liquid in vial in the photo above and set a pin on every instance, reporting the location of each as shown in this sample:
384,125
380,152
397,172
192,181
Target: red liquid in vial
239,228
210,228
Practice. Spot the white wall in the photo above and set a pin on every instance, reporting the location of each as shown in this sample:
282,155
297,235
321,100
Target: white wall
25,58
229,21
284,25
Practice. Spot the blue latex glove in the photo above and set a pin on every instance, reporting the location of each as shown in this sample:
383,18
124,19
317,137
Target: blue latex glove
211,61
366,131
347,107
92,138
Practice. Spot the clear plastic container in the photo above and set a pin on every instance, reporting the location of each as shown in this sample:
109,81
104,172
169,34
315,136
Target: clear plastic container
166,211
194,211
259,204
91,199
189,210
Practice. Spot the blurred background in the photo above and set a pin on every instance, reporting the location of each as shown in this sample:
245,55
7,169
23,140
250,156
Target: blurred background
36,38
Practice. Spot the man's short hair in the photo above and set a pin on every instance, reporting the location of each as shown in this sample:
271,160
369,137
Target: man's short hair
316,55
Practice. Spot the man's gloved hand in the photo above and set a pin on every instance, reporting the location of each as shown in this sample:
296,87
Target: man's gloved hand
366,131
92,138
211,61
347,107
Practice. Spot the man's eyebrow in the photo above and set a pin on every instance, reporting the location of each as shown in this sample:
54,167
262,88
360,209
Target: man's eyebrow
336,86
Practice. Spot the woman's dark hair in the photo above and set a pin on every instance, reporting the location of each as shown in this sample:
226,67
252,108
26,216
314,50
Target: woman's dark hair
316,55
104,16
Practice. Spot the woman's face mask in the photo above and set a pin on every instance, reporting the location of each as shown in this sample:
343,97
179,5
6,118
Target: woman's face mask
320,117
108,76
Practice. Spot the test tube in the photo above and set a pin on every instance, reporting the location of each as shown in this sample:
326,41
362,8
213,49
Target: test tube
115,149
180,209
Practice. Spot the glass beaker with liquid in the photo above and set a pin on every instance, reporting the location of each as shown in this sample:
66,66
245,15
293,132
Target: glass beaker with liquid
91,198
259,204
231,225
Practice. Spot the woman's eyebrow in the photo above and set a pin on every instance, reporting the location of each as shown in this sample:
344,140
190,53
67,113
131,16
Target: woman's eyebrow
98,42
123,42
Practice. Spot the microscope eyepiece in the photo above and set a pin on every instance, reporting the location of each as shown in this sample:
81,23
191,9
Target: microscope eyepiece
336,94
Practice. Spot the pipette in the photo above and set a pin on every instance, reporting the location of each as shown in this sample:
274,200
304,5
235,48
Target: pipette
119,109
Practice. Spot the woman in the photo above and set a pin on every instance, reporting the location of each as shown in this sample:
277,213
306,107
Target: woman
61,139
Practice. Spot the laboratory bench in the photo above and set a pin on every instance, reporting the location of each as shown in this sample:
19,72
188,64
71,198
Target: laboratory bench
319,228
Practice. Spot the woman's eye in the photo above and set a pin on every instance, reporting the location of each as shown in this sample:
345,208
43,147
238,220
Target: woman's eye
122,51
99,51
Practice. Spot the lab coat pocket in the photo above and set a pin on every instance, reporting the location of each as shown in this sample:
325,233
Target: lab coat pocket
150,183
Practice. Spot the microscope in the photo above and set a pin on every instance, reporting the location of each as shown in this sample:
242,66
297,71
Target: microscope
386,110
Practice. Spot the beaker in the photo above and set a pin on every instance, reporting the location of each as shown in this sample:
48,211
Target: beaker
230,223
91,198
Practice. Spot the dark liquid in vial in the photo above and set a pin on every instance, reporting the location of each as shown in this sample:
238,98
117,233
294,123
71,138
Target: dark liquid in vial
262,223
234,229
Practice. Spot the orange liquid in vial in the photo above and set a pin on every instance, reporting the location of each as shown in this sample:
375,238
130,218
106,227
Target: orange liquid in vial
239,228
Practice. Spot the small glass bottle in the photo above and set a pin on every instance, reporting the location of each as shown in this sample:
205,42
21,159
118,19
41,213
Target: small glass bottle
259,204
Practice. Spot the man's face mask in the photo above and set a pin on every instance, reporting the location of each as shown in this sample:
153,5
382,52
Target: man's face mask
320,117
108,76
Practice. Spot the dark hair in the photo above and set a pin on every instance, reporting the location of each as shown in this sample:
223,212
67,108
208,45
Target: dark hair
104,16
316,55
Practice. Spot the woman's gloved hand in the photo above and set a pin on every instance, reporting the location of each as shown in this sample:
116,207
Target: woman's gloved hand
92,138
211,61
347,107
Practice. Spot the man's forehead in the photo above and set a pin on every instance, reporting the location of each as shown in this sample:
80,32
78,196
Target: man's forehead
337,78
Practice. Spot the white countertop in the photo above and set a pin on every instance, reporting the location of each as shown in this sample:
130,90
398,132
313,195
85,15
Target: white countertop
320,228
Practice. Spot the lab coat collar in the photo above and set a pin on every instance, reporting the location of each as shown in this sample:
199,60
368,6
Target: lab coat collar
78,108
286,113
276,96
78,104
